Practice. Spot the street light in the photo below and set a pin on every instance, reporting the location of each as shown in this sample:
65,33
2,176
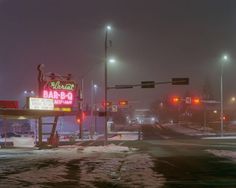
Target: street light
233,99
225,59
108,28
112,61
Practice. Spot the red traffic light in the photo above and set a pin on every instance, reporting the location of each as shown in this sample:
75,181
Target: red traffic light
196,101
80,117
175,100
108,104
78,120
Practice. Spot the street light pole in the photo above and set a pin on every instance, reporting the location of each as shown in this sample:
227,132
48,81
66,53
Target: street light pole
95,107
105,95
225,58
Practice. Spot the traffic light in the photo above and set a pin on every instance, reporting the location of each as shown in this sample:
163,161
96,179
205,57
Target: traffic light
175,100
196,101
109,104
80,117
123,103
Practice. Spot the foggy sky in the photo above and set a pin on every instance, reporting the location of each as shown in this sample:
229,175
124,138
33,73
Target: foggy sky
152,40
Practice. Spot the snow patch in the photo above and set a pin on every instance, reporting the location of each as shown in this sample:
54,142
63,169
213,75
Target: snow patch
223,153
111,148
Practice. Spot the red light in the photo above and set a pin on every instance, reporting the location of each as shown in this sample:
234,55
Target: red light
196,101
175,100
78,120
123,102
109,103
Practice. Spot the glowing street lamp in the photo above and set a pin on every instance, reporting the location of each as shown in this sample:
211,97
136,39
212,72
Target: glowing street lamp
233,99
112,61
108,27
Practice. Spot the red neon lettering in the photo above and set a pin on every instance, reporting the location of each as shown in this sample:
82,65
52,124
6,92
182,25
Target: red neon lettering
60,97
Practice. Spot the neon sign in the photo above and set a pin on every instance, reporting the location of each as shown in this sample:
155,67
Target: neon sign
62,92
62,85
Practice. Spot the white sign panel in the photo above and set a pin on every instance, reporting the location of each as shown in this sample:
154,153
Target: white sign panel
114,108
40,104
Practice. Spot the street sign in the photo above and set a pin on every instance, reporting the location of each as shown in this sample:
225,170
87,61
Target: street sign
188,100
180,81
147,84
114,108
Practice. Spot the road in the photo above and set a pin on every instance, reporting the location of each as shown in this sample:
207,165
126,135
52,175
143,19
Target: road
158,131
186,161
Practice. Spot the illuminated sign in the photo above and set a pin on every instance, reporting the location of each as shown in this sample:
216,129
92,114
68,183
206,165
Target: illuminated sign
40,104
62,92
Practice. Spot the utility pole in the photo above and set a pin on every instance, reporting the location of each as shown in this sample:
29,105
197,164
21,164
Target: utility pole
105,87
80,108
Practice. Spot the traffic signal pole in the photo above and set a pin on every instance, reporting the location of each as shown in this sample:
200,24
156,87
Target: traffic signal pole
80,109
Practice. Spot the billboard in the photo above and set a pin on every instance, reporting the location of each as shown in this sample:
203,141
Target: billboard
63,92
35,103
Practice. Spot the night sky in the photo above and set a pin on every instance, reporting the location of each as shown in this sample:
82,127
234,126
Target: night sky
151,40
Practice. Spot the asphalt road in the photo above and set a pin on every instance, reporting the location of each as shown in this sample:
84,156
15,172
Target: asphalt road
186,162
157,131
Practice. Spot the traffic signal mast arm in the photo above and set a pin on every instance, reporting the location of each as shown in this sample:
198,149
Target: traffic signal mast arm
151,84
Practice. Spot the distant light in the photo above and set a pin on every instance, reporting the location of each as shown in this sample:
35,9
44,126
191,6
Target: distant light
225,57
108,27
95,86
32,92
112,61
233,99
25,92
215,111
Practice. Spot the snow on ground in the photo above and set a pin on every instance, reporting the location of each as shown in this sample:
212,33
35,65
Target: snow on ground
79,166
20,141
180,129
111,148
223,153
125,136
